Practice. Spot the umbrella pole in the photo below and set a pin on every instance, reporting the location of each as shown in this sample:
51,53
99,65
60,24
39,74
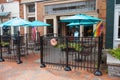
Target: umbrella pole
18,48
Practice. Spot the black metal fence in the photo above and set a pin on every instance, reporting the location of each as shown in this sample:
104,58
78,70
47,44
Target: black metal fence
65,51
15,46
72,53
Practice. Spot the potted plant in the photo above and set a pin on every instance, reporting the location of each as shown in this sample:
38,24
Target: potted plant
115,53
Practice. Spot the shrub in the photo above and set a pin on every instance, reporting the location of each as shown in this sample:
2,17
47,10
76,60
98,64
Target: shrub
115,53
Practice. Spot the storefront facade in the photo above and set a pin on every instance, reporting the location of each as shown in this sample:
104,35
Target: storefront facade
52,11
58,10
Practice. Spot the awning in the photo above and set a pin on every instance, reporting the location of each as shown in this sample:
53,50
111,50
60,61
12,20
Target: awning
3,14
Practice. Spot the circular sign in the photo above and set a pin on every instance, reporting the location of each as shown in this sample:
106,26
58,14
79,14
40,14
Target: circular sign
53,42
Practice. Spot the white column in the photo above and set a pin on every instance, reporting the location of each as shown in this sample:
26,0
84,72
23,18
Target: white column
24,8
81,31
25,17
94,27
36,18
35,10
45,28
55,26
1,31
12,30
19,29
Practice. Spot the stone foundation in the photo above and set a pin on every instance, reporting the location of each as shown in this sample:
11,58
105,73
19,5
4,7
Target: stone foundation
114,71
113,66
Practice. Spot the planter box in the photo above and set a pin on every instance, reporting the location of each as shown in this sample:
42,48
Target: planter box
113,66
69,50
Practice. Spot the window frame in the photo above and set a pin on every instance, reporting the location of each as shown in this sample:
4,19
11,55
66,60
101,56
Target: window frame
31,8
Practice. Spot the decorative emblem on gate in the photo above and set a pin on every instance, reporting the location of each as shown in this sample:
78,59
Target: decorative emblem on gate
53,42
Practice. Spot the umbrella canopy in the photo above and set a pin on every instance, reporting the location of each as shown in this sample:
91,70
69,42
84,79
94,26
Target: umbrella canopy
79,17
38,23
15,22
87,22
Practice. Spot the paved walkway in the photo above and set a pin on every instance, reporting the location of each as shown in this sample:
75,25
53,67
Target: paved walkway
30,70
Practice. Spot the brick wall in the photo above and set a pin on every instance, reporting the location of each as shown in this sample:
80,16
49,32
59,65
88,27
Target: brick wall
21,16
4,1
40,16
101,4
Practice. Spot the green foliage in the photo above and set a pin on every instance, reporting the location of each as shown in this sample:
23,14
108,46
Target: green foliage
5,43
115,53
75,46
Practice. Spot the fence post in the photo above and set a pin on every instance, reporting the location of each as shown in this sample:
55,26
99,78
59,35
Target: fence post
26,42
41,52
1,58
67,68
98,72
102,47
18,49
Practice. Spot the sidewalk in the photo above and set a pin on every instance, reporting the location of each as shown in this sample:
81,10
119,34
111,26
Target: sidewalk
30,70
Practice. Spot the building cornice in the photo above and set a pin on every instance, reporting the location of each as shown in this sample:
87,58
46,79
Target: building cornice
30,1
49,2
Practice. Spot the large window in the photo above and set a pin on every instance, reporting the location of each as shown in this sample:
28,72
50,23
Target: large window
50,29
31,8
80,6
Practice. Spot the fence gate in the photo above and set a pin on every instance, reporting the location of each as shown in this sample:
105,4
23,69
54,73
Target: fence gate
69,53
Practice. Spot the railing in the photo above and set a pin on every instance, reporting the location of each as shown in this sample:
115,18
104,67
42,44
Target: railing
83,53
12,47
65,51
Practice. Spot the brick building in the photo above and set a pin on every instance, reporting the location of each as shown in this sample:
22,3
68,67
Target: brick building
52,11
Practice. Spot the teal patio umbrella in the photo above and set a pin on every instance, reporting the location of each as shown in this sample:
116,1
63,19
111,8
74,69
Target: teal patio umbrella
81,17
15,22
37,23
87,22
